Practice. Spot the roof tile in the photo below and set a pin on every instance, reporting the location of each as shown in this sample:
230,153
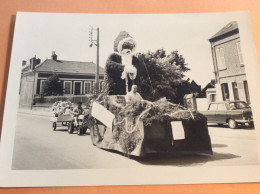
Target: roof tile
62,66
231,26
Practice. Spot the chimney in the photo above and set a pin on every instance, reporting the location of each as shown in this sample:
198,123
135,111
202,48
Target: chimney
23,63
38,61
54,56
34,62
213,82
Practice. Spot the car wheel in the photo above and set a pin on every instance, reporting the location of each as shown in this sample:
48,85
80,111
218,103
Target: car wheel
54,126
79,130
70,127
232,124
251,124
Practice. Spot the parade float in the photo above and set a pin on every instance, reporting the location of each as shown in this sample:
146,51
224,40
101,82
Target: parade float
141,127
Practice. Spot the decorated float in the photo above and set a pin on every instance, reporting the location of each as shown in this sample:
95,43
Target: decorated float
123,121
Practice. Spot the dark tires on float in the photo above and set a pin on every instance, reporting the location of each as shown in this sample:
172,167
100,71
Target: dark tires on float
70,127
80,130
54,126
232,124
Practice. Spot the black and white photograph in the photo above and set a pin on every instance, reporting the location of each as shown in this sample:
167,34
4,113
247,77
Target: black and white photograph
146,94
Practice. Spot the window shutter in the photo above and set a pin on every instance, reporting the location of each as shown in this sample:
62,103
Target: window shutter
240,54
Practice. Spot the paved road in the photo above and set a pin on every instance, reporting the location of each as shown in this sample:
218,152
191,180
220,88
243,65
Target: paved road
38,147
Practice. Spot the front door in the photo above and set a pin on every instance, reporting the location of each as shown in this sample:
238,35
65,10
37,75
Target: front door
77,89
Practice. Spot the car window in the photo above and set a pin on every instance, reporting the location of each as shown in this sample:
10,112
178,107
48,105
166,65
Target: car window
240,105
221,106
237,105
232,106
213,107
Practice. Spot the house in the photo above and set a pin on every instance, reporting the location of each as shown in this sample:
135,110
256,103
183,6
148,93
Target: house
192,91
210,85
190,87
229,66
77,78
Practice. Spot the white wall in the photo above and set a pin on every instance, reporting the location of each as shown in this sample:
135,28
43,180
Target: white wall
219,93
202,104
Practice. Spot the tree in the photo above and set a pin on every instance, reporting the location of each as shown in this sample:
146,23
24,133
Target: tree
165,75
52,86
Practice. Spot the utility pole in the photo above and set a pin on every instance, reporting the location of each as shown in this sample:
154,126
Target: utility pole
96,43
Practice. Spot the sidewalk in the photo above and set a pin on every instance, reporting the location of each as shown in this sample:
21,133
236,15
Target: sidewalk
35,112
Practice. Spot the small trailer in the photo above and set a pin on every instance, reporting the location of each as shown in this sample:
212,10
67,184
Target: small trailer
68,121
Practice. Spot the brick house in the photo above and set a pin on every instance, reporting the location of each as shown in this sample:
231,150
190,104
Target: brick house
229,67
77,78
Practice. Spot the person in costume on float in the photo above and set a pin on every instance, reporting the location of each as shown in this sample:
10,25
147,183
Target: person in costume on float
122,68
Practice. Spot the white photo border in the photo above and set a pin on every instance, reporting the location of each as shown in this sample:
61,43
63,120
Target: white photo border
129,176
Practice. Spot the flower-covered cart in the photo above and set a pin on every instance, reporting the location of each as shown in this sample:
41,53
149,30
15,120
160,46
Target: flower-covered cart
140,129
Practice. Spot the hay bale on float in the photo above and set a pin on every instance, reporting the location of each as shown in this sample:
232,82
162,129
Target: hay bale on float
139,129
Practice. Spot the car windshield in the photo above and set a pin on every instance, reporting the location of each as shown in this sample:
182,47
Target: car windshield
238,105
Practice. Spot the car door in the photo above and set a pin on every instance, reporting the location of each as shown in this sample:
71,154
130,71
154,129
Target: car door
221,113
210,114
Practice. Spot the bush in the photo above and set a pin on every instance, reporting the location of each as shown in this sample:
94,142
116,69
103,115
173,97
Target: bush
53,86
166,73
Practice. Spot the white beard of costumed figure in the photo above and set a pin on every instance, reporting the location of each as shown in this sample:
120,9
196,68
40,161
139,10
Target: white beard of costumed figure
129,69
123,69
126,48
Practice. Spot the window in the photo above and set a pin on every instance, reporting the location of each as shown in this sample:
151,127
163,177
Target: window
240,54
235,91
222,106
100,86
94,87
67,87
247,92
213,107
42,86
212,97
87,87
220,58
225,91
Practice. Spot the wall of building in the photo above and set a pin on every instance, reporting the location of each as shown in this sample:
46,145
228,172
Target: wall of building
26,90
202,104
233,66
240,85
70,78
234,71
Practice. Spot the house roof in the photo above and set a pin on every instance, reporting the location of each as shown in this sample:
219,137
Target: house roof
208,86
231,26
61,66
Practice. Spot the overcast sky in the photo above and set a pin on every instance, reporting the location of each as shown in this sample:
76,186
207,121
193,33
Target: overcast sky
68,35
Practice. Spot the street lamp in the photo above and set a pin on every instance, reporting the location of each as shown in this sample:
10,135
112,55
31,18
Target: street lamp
96,43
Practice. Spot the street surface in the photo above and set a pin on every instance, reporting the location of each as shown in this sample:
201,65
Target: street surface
37,146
